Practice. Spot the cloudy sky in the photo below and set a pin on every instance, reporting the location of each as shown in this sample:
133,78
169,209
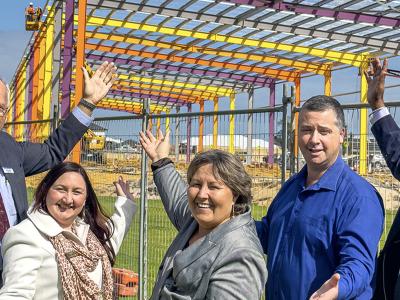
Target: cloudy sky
14,39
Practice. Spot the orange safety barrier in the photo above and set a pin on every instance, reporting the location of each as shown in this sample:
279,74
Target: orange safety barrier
125,282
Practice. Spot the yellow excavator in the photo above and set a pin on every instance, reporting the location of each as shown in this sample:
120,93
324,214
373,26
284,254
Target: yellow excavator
93,141
32,17
93,146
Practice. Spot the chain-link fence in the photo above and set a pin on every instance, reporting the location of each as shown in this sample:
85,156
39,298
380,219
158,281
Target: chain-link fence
111,148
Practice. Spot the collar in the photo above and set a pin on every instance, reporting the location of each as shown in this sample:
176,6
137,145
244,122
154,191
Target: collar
49,227
329,179
223,229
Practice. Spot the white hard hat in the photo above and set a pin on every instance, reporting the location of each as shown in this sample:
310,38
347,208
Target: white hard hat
30,3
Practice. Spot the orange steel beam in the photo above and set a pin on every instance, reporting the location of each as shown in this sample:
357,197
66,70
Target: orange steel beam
154,88
168,89
80,58
160,93
279,74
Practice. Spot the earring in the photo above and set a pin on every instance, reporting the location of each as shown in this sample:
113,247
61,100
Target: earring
233,210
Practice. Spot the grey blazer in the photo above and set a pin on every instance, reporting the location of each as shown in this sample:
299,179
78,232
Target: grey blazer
227,263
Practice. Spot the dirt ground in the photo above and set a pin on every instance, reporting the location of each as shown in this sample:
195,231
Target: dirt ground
265,184
266,180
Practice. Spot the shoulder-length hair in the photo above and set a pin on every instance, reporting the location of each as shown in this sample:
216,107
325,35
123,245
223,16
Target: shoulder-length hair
230,170
93,214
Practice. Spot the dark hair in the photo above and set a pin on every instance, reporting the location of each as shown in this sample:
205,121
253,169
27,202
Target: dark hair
230,170
323,103
93,214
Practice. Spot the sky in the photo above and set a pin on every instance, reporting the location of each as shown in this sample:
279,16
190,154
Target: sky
14,40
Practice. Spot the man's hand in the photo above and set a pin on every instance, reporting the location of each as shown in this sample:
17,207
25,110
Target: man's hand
97,87
376,82
329,290
156,149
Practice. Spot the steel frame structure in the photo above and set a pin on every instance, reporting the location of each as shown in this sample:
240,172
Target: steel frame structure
191,51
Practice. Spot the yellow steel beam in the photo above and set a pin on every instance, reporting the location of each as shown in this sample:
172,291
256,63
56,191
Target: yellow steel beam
179,93
220,91
363,122
20,88
316,68
342,57
275,73
169,89
48,65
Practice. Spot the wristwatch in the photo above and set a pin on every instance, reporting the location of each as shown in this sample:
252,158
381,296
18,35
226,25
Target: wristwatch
87,104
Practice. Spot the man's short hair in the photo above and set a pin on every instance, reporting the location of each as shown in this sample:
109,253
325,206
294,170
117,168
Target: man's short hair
323,103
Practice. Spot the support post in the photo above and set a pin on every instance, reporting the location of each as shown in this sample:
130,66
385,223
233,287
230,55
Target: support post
271,137
177,135
189,134
249,153
232,125
201,128
142,293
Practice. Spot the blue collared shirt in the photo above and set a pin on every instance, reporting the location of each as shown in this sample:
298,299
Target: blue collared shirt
310,233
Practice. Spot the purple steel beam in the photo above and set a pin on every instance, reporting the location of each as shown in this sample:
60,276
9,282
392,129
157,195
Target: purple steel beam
271,141
67,58
255,80
168,100
143,95
323,12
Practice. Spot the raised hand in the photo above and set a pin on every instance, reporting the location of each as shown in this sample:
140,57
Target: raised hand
376,82
156,148
122,188
329,290
97,87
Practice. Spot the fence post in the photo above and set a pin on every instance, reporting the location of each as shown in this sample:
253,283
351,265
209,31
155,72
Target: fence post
143,211
285,102
177,136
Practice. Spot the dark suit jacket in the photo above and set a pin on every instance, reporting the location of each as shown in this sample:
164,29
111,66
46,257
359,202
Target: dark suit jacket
25,159
387,135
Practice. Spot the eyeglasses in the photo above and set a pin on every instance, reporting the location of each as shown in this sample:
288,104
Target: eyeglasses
3,111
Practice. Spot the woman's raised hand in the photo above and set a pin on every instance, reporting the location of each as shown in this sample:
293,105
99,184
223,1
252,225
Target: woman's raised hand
156,148
122,188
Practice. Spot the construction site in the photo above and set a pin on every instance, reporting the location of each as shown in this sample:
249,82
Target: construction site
186,66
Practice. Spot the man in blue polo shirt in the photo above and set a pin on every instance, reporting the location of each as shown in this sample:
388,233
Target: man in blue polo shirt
322,230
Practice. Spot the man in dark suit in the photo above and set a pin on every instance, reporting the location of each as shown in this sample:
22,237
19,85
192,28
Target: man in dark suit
18,160
387,135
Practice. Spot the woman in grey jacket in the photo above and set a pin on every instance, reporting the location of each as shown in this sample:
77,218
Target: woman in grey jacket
216,254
